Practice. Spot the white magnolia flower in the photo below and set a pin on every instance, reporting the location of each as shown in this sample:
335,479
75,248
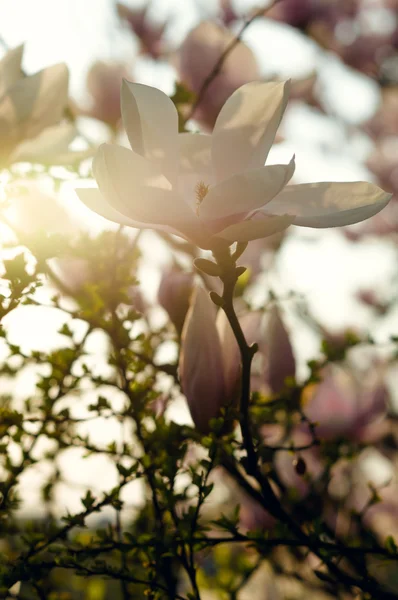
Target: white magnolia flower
30,108
204,187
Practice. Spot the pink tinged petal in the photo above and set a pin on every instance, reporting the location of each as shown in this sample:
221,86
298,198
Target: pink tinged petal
246,126
329,204
246,191
201,362
96,202
36,101
281,361
136,188
151,122
10,68
255,228
230,353
32,104
48,145
194,153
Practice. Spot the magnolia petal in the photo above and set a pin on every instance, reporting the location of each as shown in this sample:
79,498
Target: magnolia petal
194,153
246,126
252,229
37,101
96,202
151,122
135,187
201,364
329,204
10,68
230,353
30,105
50,143
246,191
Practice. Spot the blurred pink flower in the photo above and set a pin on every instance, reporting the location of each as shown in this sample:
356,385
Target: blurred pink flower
174,294
261,251
293,12
346,409
228,14
30,106
252,515
198,56
150,34
103,83
384,163
209,361
297,470
371,299
383,224
385,122
382,517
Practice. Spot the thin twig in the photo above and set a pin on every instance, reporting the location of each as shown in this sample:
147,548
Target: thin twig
223,57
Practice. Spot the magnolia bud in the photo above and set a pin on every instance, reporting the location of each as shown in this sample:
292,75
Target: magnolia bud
209,361
201,364
174,293
281,361
104,82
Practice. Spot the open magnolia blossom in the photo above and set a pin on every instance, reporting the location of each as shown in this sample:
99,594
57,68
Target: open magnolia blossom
30,109
210,187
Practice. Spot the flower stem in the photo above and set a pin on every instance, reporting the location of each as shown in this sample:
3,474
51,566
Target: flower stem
229,276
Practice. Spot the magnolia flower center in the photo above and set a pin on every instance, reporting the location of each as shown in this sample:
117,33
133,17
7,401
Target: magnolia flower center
201,190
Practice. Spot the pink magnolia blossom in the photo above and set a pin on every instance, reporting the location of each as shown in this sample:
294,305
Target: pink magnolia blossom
150,34
199,54
347,410
208,188
103,83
